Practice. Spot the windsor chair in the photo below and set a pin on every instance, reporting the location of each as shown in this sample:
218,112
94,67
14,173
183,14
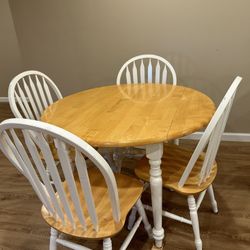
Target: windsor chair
192,173
155,72
147,68
30,93
90,202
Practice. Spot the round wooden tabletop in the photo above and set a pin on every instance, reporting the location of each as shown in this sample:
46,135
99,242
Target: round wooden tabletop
131,114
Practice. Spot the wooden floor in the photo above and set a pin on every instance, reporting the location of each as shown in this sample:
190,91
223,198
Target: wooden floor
22,227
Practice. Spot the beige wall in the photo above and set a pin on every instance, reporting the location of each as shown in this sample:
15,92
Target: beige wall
10,58
82,44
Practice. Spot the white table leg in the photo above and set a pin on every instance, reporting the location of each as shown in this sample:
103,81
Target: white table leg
154,153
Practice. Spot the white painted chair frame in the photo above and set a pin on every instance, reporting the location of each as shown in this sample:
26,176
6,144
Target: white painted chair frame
27,159
30,93
143,76
210,138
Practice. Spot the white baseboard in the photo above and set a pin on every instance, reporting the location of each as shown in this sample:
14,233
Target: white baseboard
4,99
240,137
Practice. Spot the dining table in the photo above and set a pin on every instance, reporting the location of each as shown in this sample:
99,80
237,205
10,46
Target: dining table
128,115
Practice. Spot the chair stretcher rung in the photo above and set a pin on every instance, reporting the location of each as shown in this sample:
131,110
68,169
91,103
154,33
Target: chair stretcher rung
71,245
171,215
131,234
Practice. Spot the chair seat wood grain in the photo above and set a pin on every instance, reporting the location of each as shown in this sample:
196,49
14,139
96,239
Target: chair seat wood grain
174,162
129,189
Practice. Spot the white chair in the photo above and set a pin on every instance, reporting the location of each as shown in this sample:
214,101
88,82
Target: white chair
155,72
192,173
146,68
30,93
90,202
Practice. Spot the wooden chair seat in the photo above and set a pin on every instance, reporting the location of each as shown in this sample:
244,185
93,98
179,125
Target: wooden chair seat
129,190
174,161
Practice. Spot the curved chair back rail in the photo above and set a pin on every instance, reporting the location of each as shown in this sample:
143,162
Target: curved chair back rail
146,69
30,93
23,141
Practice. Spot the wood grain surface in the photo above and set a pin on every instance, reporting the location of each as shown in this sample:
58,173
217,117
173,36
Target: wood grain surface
129,190
131,115
174,161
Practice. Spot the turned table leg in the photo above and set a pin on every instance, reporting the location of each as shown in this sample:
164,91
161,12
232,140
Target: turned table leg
154,153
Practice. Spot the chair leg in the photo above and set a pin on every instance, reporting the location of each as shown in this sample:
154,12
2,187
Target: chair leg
132,217
53,237
142,213
212,199
107,244
195,221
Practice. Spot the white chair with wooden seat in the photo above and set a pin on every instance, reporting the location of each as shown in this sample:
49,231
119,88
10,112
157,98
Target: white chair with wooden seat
30,93
90,202
192,173
155,72
147,68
